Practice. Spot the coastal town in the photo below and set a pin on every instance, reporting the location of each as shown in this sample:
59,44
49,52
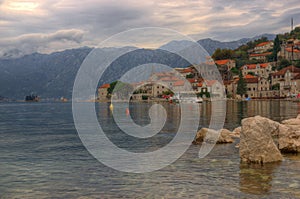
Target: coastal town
260,69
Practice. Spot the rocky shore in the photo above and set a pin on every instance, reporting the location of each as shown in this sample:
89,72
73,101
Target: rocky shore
261,140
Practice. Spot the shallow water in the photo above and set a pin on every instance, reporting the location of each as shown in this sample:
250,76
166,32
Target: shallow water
41,156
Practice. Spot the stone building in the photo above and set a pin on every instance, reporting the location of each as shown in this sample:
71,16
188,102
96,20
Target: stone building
259,56
102,91
225,66
261,70
289,53
285,78
263,47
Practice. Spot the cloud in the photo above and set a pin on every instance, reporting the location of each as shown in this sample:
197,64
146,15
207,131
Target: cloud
30,43
49,25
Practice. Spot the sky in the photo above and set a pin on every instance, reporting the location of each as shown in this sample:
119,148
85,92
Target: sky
44,26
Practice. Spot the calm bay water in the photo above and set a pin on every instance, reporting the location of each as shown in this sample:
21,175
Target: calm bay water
41,156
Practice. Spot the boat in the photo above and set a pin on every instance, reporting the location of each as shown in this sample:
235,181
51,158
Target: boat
187,98
63,99
32,98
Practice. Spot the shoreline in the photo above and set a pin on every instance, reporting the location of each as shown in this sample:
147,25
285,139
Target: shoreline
150,101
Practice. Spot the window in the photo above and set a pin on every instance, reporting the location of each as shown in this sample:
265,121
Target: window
254,88
249,89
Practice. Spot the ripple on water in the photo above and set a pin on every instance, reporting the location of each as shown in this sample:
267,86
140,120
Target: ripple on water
42,157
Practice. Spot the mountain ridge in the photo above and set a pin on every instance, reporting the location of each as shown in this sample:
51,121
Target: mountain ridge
52,75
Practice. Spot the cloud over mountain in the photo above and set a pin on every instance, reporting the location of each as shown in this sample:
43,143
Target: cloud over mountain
30,43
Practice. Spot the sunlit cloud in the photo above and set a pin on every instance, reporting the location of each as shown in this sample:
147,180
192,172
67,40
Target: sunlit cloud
22,5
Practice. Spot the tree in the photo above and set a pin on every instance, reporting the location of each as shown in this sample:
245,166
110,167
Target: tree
251,73
189,76
168,92
234,71
241,85
297,63
223,54
276,86
120,88
276,48
283,63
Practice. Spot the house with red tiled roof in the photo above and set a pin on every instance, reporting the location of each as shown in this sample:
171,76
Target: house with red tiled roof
257,87
214,87
290,50
284,78
185,72
263,47
289,53
224,66
230,63
102,91
261,70
259,56
252,85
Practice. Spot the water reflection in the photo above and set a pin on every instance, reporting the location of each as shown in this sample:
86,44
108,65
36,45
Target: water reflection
256,178
236,111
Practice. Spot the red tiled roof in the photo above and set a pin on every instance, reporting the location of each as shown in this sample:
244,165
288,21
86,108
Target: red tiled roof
260,54
187,70
169,79
251,80
263,43
105,86
297,76
293,69
253,66
248,76
200,84
210,82
222,62
192,80
179,83
290,50
264,65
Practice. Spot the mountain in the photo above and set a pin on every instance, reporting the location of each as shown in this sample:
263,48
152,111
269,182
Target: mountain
52,75
211,45
47,75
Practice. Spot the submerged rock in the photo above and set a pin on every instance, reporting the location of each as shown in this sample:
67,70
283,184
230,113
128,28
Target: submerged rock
256,142
236,133
289,136
225,137
212,136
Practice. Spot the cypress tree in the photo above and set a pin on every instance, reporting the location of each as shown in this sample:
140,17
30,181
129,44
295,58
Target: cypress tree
276,48
241,85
